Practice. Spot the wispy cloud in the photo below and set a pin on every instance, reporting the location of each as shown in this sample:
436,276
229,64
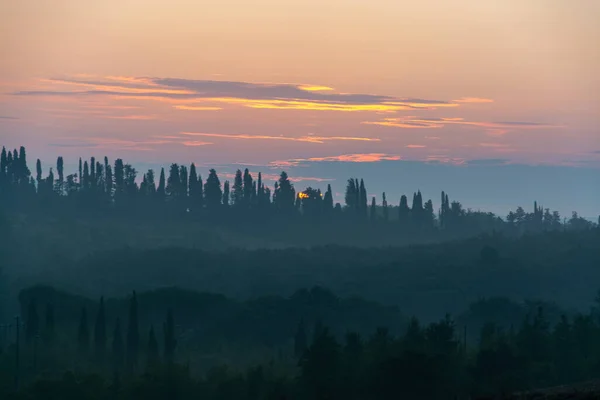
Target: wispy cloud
195,143
246,94
473,100
8,117
411,122
354,158
415,146
132,117
307,139
196,108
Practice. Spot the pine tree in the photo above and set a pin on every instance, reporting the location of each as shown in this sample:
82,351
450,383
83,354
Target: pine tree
117,346
150,183
152,353
83,335
170,342
33,322
100,332
133,335
226,194
212,191
237,194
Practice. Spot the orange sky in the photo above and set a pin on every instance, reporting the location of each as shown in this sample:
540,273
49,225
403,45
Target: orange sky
442,80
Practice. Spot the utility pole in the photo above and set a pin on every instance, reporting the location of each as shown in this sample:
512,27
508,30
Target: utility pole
18,325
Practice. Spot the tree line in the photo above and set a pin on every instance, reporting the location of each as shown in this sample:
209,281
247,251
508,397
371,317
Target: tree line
433,361
99,186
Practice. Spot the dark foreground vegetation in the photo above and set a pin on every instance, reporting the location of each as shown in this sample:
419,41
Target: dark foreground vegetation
174,344
241,323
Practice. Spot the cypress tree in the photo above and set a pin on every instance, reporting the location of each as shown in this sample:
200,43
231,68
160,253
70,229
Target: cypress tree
170,342
152,353
38,174
24,170
117,346
226,193
33,321
384,205
61,177
212,191
119,172
328,201
49,329
161,190
183,176
363,198
194,190
174,183
133,335
9,169
300,341
373,209
92,172
260,191
80,176
100,332
350,196
3,163
83,335
403,210
285,195
237,194
248,186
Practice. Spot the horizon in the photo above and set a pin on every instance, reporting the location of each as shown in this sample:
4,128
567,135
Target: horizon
496,104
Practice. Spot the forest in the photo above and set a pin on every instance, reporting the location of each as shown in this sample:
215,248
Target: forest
131,286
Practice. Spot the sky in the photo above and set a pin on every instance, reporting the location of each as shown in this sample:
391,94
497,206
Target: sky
495,102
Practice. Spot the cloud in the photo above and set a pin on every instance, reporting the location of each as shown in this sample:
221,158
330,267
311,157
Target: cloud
132,117
307,139
354,158
494,145
195,143
246,94
411,122
472,100
197,108
415,146
8,117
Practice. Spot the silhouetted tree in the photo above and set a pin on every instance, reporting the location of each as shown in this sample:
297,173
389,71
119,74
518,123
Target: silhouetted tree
83,334
100,332
133,335
212,191
118,349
